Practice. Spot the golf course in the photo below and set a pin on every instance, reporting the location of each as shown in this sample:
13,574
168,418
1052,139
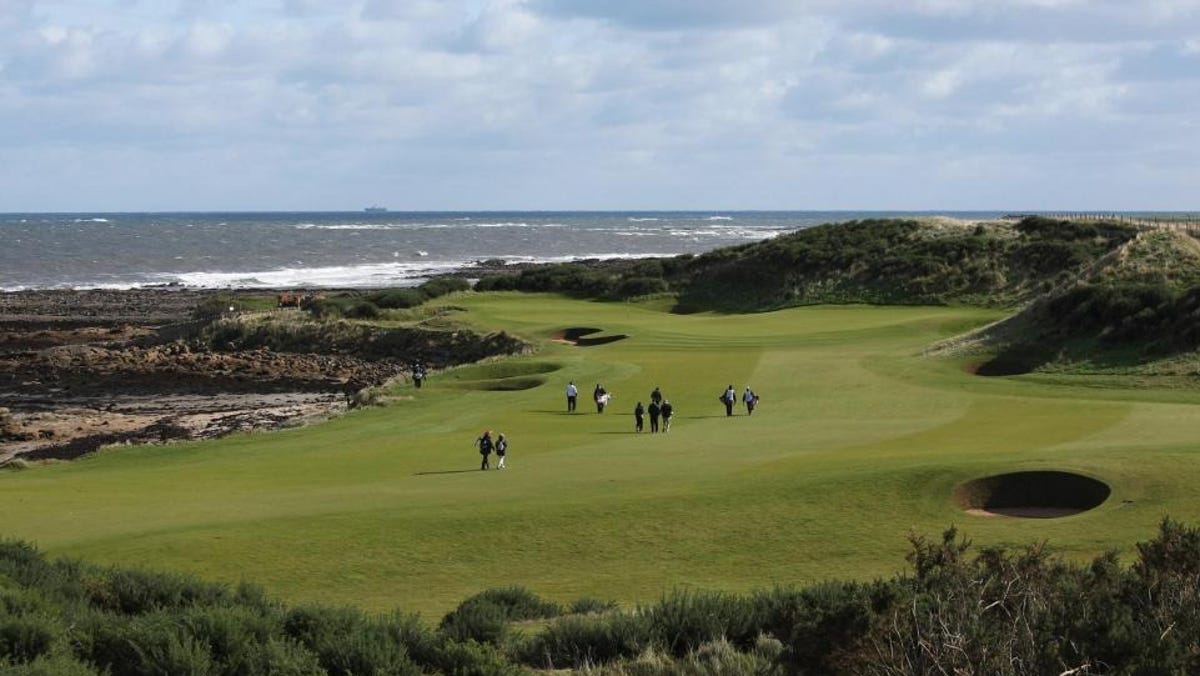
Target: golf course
860,439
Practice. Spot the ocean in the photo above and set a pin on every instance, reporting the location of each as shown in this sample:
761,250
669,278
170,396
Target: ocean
356,249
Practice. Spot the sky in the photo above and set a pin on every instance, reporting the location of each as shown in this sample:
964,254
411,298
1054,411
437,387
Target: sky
211,105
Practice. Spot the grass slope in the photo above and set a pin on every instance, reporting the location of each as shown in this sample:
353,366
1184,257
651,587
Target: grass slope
858,440
1132,313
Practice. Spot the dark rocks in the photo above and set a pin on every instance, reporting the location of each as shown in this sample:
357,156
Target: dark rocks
82,369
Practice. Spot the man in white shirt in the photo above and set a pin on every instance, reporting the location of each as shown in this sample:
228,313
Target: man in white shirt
572,394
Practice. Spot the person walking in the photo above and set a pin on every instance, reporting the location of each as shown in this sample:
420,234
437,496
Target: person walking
750,399
639,417
653,410
572,395
501,450
656,396
601,396
667,411
484,442
418,374
729,398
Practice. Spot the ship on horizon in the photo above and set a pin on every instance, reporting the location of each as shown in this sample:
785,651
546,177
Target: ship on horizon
375,209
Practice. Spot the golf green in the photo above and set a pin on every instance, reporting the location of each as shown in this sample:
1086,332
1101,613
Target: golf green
858,441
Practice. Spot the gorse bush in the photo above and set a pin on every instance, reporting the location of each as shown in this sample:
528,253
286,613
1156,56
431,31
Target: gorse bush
683,620
1011,612
576,641
485,617
24,639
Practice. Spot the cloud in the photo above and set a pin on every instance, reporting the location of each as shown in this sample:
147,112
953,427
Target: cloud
549,103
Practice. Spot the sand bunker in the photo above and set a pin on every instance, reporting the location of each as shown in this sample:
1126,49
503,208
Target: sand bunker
505,384
1031,495
583,336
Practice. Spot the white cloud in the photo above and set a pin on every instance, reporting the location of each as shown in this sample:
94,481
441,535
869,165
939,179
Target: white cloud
548,103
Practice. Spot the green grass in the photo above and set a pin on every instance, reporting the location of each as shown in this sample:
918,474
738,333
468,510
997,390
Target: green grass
857,441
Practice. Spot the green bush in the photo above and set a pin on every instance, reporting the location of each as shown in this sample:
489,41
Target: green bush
347,642
218,305
631,287
470,658
140,645
326,308
50,665
819,625
24,639
496,283
481,622
132,591
958,610
394,299
685,619
441,286
361,309
578,641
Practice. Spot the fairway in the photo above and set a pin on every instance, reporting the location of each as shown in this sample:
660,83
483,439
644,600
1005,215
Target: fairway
858,441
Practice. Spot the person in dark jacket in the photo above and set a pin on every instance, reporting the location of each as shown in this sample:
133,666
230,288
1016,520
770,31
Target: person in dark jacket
501,450
667,411
601,396
656,396
639,417
653,410
484,442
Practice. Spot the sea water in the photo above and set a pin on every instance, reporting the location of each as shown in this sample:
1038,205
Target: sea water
356,249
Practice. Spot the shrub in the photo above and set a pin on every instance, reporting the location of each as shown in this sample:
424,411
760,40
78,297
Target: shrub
640,286
147,644
576,641
484,617
218,305
326,308
496,283
684,619
393,299
441,286
482,622
24,639
237,638
132,591
819,625
50,665
361,309
347,642
472,659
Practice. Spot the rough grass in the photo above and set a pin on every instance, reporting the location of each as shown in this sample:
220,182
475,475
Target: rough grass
857,441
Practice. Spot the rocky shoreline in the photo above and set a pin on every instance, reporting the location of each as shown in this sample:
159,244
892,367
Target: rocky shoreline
85,369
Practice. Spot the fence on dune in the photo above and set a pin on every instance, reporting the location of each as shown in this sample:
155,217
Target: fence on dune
1182,222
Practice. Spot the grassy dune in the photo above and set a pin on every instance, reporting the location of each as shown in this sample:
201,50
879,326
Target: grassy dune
858,440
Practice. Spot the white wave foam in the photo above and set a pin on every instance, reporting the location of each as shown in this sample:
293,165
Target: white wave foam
720,218
347,276
91,220
634,219
728,233
579,257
